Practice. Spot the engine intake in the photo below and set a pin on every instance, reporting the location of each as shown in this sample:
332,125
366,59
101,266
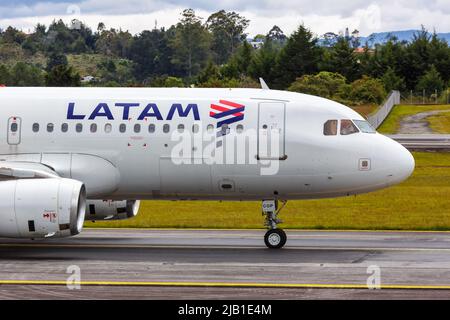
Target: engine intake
41,208
111,210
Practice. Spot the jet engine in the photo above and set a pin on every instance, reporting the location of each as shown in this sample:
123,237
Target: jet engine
41,208
111,210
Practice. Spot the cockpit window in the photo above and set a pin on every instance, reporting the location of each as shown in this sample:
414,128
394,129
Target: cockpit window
330,128
348,127
364,126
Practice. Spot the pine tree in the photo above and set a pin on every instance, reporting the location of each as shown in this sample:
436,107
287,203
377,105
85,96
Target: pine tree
431,81
190,44
300,56
342,59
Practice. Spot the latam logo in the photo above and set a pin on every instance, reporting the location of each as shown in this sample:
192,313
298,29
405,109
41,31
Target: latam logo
151,110
233,112
227,113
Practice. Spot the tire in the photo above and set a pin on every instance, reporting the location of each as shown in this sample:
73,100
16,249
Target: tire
275,239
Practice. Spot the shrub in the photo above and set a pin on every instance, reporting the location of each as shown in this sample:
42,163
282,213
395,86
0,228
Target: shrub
324,84
367,90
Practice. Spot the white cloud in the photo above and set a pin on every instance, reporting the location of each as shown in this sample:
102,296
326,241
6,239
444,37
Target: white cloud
319,15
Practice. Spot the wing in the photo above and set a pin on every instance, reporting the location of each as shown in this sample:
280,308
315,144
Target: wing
25,170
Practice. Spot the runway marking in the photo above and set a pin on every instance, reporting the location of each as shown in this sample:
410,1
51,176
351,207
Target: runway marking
222,285
251,229
147,246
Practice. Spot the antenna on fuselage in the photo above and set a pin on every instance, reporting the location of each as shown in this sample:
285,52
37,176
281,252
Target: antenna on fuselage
264,85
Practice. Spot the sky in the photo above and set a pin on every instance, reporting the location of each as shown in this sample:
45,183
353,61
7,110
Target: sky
320,16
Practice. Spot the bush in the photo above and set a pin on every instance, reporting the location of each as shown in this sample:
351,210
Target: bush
367,90
324,84
431,81
243,82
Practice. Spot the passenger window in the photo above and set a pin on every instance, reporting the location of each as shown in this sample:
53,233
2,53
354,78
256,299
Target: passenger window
225,129
64,127
195,128
14,127
137,128
180,128
123,128
151,128
240,128
93,127
35,127
108,128
50,127
166,128
348,127
79,127
330,128
210,128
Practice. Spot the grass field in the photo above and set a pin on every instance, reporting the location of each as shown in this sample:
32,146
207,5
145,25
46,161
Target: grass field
421,203
392,122
440,123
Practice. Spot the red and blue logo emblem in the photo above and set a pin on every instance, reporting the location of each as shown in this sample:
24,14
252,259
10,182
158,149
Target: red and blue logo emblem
227,112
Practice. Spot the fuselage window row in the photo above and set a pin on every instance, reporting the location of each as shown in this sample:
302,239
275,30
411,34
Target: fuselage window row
93,128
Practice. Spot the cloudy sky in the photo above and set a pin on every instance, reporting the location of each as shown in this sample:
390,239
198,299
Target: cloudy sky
319,15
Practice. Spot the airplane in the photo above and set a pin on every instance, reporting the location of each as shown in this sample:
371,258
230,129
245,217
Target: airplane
73,154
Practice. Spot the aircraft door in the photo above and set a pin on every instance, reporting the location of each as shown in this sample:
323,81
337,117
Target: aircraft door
271,131
14,130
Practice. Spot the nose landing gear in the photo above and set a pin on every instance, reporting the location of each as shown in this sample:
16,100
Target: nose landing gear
275,238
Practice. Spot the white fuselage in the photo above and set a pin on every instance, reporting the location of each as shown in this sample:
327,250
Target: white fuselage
139,164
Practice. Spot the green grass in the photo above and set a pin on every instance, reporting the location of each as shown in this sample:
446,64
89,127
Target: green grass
392,123
440,123
421,203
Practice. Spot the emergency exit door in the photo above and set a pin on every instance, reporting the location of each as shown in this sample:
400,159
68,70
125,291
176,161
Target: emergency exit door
271,131
14,130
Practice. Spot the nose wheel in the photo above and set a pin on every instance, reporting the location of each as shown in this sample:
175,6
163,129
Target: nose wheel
275,238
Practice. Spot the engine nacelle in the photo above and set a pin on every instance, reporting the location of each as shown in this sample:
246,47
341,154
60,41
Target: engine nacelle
40,208
111,210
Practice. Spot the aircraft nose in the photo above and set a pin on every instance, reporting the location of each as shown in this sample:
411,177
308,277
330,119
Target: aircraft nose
403,163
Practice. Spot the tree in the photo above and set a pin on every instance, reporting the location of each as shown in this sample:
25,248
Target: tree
62,76
276,35
440,56
416,60
5,76
392,81
330,38
431,81
26,75
263,62
56,59
190,44
151,54
227,30
300,56
388,55
242,58
340,58
113,42
12,35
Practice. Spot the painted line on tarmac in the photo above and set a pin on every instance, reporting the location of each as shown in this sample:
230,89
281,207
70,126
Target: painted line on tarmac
220,285
254,229
147,246
190,247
